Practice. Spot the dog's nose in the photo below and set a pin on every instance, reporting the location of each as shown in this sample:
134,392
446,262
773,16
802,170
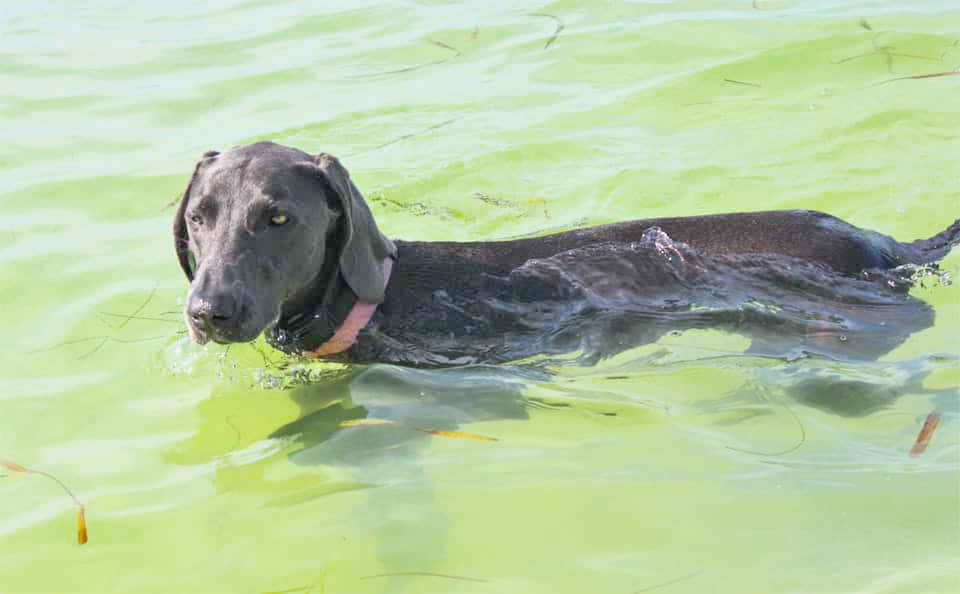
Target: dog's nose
212,310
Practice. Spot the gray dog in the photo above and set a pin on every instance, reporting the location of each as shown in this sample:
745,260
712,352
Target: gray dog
274,239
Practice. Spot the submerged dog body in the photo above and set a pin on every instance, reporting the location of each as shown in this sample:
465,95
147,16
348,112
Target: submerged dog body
276,239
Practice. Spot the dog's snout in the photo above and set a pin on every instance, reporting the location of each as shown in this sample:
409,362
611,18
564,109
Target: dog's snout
212,310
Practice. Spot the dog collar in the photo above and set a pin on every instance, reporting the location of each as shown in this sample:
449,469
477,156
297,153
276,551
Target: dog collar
356,320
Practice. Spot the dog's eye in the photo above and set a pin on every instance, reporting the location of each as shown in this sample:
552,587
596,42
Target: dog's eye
196,219
279,219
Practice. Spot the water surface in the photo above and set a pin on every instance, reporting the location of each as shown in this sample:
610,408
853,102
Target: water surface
683,466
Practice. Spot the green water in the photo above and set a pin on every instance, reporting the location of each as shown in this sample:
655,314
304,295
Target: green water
682,466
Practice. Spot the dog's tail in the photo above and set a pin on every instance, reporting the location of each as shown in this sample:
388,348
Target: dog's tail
930,250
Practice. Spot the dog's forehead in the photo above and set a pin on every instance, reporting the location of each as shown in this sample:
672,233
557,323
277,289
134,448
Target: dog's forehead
265,154
263,168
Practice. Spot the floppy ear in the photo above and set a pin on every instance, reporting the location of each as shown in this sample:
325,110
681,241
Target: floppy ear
180,238
364,247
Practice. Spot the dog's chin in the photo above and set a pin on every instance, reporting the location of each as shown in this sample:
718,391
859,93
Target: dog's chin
245,334
231,336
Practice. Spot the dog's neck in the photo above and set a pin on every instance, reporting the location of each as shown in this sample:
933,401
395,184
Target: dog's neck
356,320
308,322
311,317
326,326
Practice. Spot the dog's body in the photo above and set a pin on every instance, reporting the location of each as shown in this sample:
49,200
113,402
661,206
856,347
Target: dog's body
265,219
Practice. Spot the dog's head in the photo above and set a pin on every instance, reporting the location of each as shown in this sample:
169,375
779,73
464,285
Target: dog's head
263,227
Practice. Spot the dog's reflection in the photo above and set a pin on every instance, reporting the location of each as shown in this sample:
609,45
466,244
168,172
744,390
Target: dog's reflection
404,400
400,504
389,468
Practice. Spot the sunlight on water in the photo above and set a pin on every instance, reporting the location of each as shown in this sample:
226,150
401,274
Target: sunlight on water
699,463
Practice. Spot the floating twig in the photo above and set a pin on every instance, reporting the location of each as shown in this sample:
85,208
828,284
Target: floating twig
458,434
914,56
556,33
93,351
367,422
887,52
425,574
372,422
81,516
743,82
919,77
81,526
406,137
238,437
103,340
925,435
445,46
856,57
416,66
139,309
402,70
127,318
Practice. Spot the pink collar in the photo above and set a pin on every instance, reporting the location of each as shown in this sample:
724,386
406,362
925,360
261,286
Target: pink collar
355,321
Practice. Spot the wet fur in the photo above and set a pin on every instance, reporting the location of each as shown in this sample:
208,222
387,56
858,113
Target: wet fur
794,281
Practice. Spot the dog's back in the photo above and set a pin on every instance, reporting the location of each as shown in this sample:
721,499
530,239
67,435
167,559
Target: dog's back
789,279
805,234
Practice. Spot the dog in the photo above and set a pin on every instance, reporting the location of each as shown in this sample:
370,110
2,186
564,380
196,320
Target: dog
276,240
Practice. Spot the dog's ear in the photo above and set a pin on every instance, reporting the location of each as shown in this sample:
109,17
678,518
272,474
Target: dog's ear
181,240
364,247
